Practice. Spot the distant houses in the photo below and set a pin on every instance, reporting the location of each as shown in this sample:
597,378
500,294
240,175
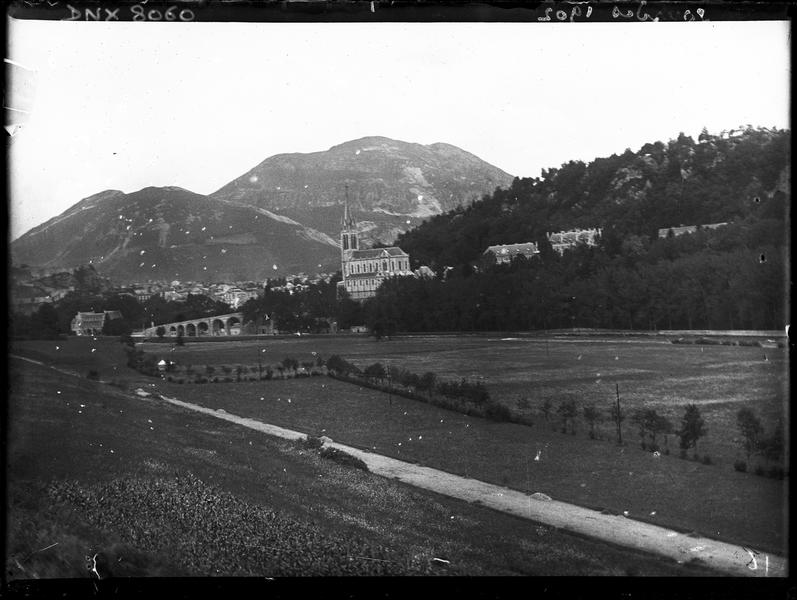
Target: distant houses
506,253
684,229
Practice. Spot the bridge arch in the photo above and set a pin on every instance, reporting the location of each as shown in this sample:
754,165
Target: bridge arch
180,330
217,326
202,328
190,329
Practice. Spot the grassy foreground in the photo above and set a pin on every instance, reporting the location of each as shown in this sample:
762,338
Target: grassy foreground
104,482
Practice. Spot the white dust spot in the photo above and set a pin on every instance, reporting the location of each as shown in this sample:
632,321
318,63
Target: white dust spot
399,443
420,197
58,347
355,153
58,392
203,229
253,179
224,250
143,252
274,267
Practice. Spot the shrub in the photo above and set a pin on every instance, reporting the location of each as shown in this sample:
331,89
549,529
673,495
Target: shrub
759,470
497,412
696,457
776,473
343,458
92,374
682,453
181,380
706,459
667,451
311,442
120,383
740,466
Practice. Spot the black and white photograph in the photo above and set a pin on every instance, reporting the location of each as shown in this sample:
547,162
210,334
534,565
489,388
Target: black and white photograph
319,298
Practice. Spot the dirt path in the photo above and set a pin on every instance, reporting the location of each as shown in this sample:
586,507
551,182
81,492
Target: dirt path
735,560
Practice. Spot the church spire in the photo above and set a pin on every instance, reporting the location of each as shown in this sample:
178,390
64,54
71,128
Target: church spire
348,218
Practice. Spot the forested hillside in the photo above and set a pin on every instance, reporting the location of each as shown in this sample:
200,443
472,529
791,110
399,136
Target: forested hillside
732,277
683,182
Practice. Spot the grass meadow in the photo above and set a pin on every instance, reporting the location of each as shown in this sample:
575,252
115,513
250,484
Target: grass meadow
713,500
101,480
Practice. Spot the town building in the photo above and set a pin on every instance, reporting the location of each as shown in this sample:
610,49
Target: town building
676,231
364,270
90,323
565,240
506,253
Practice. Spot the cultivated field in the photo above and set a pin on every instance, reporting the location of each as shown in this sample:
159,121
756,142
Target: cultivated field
712,499
101,479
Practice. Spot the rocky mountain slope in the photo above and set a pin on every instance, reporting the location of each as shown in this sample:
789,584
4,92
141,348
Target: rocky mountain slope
171,233
393,185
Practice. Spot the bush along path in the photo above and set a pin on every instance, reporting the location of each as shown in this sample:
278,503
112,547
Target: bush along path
683,548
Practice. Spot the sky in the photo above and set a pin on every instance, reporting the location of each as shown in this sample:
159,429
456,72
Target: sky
130,105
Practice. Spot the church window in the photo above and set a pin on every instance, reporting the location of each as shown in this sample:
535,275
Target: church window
345,242
384,265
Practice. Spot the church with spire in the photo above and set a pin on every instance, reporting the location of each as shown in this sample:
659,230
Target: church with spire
364,270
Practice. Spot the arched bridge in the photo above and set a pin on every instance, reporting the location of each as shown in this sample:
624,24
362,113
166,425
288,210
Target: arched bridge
229,324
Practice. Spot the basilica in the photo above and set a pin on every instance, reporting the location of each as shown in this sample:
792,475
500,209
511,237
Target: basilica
364,270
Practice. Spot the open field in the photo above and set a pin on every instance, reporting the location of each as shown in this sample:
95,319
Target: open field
650,372
149,489
713,500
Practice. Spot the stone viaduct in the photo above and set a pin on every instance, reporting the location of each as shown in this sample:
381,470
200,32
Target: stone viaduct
229,324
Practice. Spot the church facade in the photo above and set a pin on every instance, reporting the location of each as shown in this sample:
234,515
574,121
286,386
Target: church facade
364,270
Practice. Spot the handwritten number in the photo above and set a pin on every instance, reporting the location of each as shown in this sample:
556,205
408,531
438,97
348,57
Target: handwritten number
186,15
138,13
170,16
547,16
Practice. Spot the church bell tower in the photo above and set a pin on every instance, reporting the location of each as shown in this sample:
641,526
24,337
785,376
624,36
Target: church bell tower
348,234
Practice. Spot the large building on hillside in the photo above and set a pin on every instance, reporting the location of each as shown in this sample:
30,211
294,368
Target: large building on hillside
684,229
565,240
364,270
506,253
